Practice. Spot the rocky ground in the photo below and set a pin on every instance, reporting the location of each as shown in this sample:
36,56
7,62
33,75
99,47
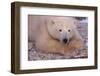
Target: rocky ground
34,54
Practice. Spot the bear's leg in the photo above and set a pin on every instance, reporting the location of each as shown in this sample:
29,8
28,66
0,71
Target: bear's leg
78,44
74,47
50,46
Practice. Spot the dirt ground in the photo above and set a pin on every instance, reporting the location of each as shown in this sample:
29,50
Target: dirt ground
34,54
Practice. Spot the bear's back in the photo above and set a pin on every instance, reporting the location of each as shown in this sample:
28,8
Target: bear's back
35,25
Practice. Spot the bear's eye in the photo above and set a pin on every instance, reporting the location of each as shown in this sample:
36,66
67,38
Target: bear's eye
60,30
69,30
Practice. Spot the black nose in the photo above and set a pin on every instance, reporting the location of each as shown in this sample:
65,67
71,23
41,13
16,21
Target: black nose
65,40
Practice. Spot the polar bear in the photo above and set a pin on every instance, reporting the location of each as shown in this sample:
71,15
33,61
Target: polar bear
53,34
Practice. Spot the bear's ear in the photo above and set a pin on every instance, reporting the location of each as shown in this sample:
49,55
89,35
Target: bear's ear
52,22
49,21
76,23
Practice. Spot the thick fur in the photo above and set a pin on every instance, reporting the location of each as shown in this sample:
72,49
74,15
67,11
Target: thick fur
44,30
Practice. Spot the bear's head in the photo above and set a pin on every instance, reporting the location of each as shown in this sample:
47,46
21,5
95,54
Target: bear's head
62,28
